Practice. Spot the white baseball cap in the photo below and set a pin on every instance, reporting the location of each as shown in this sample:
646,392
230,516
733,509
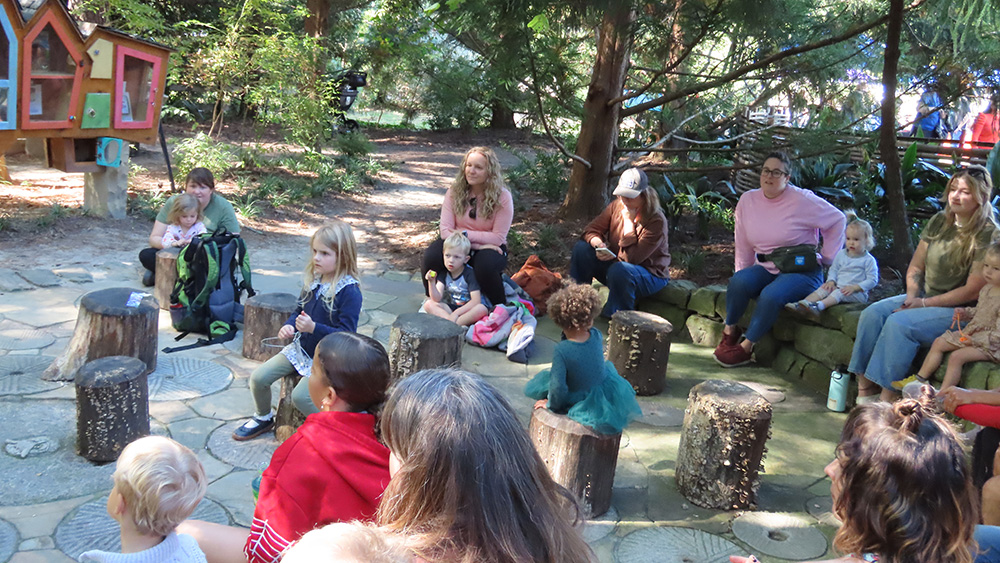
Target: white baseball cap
632,183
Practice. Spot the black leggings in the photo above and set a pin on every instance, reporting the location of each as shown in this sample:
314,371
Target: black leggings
488,266
147,257
983,450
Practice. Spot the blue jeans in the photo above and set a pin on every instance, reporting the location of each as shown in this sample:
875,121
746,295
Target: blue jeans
772,291
626,282
988,538
888,341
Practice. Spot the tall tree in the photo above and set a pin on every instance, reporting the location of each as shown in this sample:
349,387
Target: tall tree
901,246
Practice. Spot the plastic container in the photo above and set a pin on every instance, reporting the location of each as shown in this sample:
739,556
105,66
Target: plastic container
836,400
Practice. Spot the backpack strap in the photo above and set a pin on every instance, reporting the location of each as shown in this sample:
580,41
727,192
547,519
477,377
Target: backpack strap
211,265
215,338
244,263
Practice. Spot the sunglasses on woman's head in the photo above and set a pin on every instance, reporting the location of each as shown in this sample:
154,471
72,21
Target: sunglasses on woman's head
472,208
975,172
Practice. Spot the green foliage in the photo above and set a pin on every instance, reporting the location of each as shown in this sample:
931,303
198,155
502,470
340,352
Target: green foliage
354,144
147,203
691,261
546,173
828,178
204,151
707,205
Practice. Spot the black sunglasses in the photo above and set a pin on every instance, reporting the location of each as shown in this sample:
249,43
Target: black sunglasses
472,208
975,172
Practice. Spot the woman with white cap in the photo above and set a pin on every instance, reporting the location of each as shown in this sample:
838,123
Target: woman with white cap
778,258
625,247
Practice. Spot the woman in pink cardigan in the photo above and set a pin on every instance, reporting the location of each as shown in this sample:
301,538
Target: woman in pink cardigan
479,204
775,216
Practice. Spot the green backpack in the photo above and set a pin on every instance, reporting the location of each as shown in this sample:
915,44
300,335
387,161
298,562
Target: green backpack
212,273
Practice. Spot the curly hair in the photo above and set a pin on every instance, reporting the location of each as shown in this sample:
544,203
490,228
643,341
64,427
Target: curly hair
494,184
575,306
906,491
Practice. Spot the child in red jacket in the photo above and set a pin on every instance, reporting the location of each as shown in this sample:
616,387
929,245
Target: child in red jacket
333,469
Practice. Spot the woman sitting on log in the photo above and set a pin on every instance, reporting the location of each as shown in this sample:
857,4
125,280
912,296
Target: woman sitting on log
778,229
945,272
625,247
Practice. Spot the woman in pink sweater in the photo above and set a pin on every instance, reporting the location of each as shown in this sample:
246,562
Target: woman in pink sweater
769,218
479,204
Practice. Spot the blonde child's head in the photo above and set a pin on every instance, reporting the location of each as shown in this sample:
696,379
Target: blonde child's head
355,366
459,242
861,229
348,542
160,482
574,307
993,251
184,204
338,237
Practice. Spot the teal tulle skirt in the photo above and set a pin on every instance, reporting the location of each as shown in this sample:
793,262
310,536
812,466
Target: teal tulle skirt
606,408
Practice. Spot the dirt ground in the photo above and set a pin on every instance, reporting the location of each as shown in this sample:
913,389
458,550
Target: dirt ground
42,223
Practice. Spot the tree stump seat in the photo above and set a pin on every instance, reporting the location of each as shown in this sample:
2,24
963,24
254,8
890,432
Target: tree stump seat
166,275
577,457
112,406
288,418
263,316
639,347
723,441
107,326
420,341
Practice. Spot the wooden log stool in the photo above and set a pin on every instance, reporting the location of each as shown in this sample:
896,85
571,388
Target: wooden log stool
262,318
420,341
166,275
726,427
577,457
288,418
112,406
108,326
639,347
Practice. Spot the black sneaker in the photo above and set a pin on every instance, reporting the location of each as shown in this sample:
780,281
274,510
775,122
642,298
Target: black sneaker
252,428
148,279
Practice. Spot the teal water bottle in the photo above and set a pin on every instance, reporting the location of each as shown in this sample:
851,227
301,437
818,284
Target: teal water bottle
837,398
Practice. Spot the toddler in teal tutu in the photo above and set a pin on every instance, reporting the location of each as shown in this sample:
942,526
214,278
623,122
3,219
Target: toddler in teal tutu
581,383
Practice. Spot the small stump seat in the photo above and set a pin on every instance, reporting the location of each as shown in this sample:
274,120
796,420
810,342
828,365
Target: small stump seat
263,316
112,406
419,341
639,347
166,276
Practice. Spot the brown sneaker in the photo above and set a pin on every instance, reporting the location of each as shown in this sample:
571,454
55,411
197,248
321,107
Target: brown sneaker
732,356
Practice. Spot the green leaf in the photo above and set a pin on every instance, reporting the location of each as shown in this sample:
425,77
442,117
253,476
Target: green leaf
909,159
432,8
454,4
993,162
539,23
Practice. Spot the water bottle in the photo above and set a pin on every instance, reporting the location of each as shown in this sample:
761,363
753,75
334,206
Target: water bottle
837,398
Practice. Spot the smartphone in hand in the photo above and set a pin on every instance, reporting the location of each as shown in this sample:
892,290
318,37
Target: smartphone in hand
606,251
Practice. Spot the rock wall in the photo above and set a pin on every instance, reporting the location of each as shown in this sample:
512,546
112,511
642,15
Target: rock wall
798,346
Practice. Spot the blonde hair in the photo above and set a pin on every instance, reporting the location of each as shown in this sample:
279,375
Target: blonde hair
470,486
337,236
575,306
161,482
981,185
993,250
348,542
495,185
459,241
866,229
183,204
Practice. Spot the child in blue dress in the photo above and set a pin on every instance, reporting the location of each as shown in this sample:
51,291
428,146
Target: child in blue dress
581,383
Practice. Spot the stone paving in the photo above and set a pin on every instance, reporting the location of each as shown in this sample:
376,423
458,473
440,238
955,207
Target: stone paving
52,501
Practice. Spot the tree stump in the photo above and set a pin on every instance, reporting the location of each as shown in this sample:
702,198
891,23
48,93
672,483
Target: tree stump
112,406
726,427
262,318
166,276
288,418
107,326
639,347
577,457
420,341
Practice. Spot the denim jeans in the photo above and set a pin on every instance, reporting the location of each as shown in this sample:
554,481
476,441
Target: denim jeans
888,341
626,282
273,370
988,538
772,291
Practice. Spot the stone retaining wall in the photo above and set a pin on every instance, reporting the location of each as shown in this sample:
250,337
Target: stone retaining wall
797,346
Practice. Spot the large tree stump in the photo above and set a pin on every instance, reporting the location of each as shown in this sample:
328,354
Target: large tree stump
262,318
577,457
419,341
726,427
106,326
112,406
639,347
166,276
288,418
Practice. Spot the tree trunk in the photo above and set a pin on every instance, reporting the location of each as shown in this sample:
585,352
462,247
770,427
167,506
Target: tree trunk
502,116
587,193
899,254
318,20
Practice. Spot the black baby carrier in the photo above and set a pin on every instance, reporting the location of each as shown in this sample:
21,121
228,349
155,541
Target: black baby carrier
212,273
